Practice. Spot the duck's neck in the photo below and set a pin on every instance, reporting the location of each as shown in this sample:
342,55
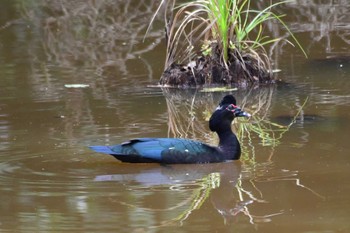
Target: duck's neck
229,144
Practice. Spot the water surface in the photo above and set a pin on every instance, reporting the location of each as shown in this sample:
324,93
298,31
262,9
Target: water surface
294,180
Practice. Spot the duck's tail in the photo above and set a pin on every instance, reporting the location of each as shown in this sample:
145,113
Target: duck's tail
102,149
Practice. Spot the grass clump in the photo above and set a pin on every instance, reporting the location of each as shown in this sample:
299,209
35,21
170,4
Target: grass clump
219,42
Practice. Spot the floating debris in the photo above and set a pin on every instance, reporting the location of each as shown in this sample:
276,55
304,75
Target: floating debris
76,85
218,89
276,71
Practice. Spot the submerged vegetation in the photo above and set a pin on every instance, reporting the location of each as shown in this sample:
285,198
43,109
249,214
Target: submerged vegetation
219,42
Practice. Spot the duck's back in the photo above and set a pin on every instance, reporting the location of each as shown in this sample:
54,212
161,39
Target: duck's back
163,150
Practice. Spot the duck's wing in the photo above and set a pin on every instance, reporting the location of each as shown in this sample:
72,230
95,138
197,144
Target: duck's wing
162,150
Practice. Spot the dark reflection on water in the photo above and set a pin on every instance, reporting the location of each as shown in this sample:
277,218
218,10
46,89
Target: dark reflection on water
293,173
189,185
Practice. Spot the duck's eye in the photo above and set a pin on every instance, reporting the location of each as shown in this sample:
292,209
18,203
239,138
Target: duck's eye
231,107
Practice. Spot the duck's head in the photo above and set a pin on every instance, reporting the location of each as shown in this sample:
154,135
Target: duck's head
225,113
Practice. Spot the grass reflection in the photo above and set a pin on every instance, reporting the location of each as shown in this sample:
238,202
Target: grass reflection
189,111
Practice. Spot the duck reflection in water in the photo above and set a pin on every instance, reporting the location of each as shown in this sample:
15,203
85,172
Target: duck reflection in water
218,180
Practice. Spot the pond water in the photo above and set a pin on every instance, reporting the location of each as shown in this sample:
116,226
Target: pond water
293,176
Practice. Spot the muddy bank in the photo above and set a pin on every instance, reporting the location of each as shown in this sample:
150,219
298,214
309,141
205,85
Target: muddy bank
239,71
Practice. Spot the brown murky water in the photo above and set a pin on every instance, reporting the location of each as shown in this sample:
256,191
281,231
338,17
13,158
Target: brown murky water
289,180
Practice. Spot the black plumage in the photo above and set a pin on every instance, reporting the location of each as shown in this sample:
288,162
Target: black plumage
178,150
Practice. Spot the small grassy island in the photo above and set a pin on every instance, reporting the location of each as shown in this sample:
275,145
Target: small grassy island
218,42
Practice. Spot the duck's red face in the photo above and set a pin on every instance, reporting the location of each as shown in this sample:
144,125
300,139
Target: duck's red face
237,112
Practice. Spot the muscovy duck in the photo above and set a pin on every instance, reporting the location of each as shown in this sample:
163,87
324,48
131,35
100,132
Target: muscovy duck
178,150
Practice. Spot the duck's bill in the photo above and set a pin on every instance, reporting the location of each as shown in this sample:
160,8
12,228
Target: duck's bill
241,113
